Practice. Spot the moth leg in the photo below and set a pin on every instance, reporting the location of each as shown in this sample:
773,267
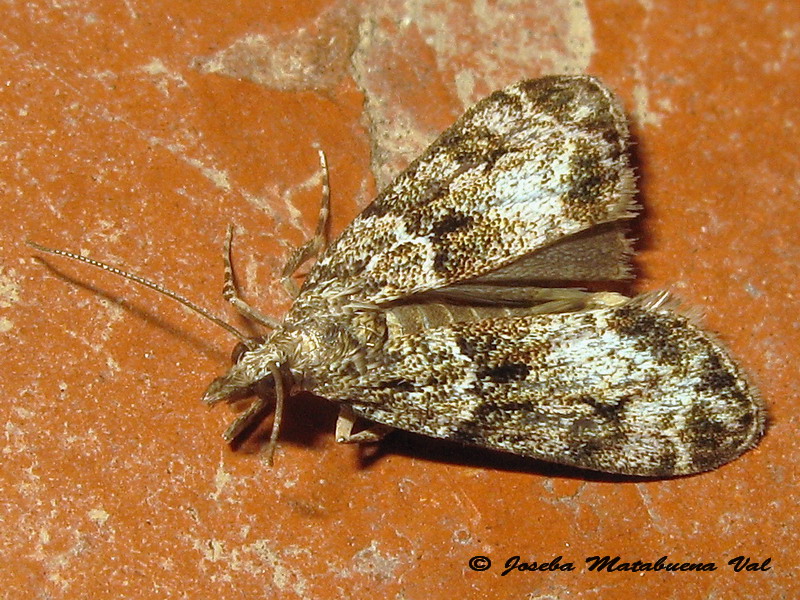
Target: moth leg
346,422
231,294
316,244
606,300
244,420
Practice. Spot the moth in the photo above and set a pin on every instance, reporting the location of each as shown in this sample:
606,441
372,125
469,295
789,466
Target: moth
444,308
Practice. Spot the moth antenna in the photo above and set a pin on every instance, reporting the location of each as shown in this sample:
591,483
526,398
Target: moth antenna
276,421
231,294
147,283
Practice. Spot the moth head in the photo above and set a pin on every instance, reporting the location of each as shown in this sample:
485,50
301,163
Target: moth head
258,370
252,372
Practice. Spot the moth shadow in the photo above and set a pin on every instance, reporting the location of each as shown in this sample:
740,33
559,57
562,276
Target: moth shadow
429,449
310,420
307,421
195,342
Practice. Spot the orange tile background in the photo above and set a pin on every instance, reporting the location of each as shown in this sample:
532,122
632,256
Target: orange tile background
137,131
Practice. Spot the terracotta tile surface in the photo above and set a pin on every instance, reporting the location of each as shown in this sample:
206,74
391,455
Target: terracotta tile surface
136,131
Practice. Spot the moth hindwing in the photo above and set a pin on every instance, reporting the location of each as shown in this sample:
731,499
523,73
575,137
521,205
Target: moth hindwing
430,313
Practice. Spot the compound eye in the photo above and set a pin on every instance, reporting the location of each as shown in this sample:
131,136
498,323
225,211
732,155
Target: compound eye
238,350
242,348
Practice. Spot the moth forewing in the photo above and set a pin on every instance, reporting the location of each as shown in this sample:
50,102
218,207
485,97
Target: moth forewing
622,386
523,169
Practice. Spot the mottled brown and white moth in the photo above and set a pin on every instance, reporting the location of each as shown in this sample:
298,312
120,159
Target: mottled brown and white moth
440,310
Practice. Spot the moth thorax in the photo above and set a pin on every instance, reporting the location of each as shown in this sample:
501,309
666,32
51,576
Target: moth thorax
331,344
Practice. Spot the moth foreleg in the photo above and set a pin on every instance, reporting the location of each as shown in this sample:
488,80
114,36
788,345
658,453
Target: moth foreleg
231,294
244,420
346,422
316,244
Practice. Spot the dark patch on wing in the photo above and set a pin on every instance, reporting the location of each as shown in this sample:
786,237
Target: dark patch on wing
715,377
489,417
472,147
378,207
745,420
653,332
710,442
477,345
584,450
554,99
502,98
608,411
587,177
504,373
399,384
441,261
667,462
449,224
707,433
467,347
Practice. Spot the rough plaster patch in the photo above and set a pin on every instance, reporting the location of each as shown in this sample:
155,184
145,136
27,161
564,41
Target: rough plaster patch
372,562
9,288
99,516
389,46
221,479
163,76
309,58
642,110
439,43
257,558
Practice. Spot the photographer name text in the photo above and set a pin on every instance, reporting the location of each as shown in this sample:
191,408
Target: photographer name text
613,564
